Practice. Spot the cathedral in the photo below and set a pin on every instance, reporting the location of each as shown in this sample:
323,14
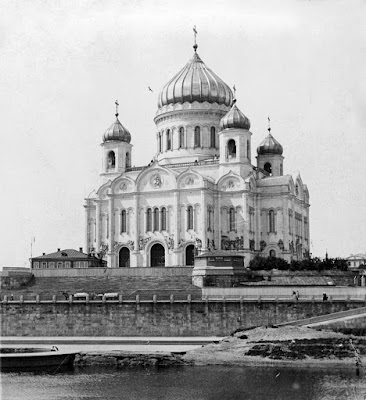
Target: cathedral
201,192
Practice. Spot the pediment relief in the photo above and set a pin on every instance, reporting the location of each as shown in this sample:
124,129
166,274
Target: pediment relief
189,179
157,179
230,184
123,186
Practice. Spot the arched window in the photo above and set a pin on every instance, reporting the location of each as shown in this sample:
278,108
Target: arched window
248,149
168,140
149,220
268,168
156,219
272,253
160,143
163,219
181,137
197,136
213,134
128,161
271,218
232,219
231,148
281,169
124,221
111,160
190,217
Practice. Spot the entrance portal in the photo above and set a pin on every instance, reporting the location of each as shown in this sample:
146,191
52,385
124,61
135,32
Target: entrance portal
124,257
157,256
190,255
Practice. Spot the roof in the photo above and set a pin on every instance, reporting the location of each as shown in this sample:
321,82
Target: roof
274,181
358,256
235,119
195,82
63,254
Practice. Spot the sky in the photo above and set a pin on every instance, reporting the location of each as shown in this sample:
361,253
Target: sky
63,64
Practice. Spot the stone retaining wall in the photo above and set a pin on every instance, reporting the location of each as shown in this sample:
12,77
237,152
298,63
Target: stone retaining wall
149,318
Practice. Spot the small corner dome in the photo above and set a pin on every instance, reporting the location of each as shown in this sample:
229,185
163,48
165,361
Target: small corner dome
234,119
117,132
269,146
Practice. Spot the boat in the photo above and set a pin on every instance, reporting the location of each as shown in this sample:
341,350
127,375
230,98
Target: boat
35,358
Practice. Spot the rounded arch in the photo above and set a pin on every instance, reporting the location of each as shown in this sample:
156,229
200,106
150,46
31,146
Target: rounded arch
231,148
272,248
124,257
102,191
164,172
189,253
124,183
197,179
157,255
111,160
268,167
230,176
197,136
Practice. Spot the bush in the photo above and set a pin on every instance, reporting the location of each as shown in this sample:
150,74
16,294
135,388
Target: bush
259,263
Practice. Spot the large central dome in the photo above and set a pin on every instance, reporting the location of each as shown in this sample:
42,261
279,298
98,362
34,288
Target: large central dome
195,82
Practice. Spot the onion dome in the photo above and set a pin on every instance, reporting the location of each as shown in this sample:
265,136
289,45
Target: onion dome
195,82
117,132
234,119
269,146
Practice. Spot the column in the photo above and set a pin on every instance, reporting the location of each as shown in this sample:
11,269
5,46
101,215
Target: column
110,227
176,220
88,228
245,230
219,219
285,221
98,225
136,223
203,220
257,221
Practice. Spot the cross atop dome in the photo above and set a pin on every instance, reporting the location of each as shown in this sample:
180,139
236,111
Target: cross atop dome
117,104
195,37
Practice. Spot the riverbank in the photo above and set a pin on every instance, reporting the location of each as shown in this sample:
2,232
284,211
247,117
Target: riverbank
282,345
288,345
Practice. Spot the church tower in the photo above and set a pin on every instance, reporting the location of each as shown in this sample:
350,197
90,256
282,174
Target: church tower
270,157
116,150
235,142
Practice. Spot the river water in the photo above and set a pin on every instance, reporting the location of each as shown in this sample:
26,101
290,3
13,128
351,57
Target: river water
178,383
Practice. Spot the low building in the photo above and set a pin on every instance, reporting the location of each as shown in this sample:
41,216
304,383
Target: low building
68,258
356,260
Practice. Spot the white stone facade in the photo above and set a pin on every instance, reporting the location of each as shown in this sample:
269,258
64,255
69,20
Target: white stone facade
200,193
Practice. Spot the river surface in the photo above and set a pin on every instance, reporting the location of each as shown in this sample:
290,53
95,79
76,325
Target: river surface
178,383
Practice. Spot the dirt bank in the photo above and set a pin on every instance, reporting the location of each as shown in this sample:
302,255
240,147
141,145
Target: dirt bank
282,345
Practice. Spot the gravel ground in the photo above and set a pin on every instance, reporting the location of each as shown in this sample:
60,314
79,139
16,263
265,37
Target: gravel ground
233,349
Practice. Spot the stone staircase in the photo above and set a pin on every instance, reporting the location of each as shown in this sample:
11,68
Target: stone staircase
128,287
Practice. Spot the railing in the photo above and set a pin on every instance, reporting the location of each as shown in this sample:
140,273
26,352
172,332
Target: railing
178,165
174,296
327,317
272,297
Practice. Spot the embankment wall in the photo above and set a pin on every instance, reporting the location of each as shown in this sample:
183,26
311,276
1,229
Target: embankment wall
148,318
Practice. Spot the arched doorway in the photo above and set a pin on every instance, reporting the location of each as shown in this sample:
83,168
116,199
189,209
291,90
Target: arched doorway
272,253
157,256
124,257
190,255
